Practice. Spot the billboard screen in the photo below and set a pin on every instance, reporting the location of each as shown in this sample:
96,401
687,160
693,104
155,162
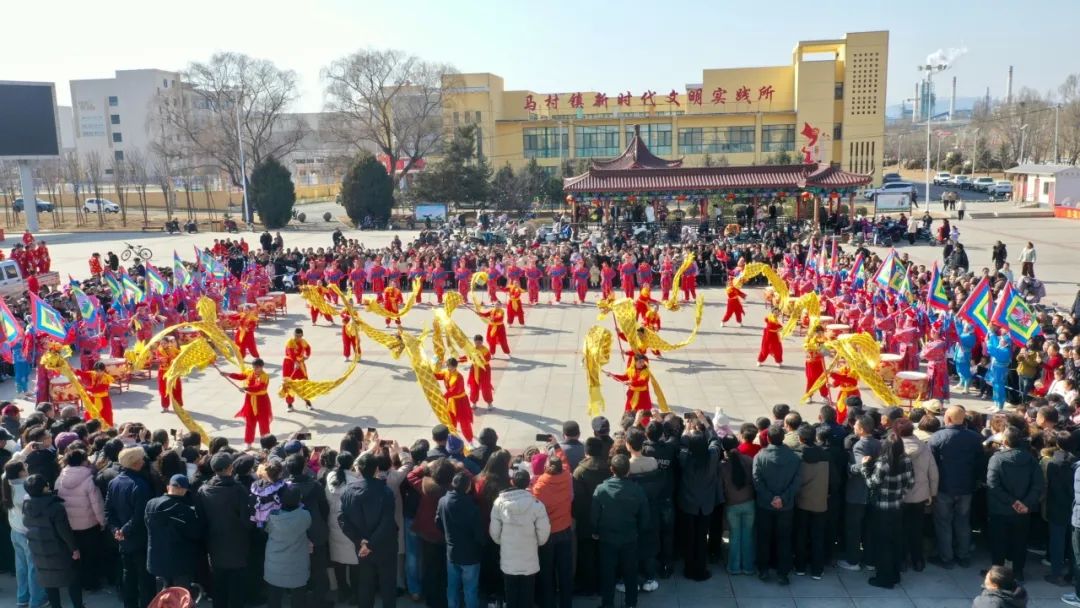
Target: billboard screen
28,120
892,202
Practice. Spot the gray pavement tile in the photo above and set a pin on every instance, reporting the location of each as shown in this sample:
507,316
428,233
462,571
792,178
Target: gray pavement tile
752,586
829,586
823,602
937,602
764,602
857,587
892,601
930,583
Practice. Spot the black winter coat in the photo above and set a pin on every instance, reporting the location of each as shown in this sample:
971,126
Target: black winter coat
51,541
125,507
173,530
587,476
313,499
222,505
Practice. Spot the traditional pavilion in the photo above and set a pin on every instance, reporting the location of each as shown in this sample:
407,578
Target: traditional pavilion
639,176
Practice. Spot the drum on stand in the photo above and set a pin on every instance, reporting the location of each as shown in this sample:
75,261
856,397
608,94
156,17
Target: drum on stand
888,366
911,385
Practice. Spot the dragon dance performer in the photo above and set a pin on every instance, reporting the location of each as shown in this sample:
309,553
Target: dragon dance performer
97,383
496,331
689,282
392,300
652,321
815,361
256,409
349,343
324,292
245,334
457,402
417,272
734,305
643,302
294,367
637,380
514,309
644,274
634,351
480,376
143,322
770,340
165,353
845,380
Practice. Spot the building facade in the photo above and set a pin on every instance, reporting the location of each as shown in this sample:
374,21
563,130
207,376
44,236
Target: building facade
827,106
111,115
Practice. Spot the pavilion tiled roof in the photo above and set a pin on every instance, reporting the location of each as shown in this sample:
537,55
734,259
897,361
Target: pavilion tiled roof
775,177
635,156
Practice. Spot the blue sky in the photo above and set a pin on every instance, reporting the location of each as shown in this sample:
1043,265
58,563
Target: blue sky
553,46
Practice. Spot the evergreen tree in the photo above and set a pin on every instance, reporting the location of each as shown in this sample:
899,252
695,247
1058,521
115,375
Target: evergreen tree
271,192
367,190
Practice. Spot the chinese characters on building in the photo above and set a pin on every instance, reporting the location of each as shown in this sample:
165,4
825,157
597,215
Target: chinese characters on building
694,97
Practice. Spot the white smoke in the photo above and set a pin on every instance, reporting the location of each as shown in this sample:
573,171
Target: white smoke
945,56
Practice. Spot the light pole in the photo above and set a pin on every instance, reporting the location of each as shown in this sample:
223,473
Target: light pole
974,151
1056,109
930,70
243,165
1023,136
899,138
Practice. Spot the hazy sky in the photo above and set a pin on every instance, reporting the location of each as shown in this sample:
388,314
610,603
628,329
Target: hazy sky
553,46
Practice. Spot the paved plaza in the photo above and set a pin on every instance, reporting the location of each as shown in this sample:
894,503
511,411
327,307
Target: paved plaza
544,384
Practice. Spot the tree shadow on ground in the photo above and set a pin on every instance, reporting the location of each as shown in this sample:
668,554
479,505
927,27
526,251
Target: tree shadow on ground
542,424
526,365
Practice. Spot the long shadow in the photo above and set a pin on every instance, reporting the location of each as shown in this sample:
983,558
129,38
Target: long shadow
694,369
524,365
536,421
534,330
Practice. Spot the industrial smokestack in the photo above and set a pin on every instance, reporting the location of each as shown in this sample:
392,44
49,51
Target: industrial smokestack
1008,87
952,99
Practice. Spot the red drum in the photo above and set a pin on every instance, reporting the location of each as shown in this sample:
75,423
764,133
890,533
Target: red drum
62,391
187,335
279,298
118,368
267,305
888,366
230,319
833,330
826,320
911,385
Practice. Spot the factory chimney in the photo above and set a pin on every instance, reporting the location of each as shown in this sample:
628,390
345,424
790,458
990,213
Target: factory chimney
1008,86
952,99
915,110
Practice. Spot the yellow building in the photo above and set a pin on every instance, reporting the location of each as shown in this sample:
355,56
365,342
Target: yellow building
827,106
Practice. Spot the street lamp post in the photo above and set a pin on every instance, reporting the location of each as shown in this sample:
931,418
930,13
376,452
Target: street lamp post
974,151
1023,136
930,70
899,138
1056,109
243,165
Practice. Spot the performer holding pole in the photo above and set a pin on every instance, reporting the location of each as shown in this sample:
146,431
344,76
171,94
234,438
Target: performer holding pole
496,331
294,367
97,384
734,305
457,402
166,352
815,361
256,409
637,380
245,334
480,376
770,340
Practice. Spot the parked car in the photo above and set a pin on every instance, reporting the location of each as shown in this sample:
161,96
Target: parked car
890,177
942,178
891,187
12,283
1001,189
46,206
981,184
100,205
961,181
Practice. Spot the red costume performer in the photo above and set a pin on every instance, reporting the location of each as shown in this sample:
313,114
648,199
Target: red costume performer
245,334
532,282
165,353
643,302
496,330
457,402
652,321
480,376
95,265
689,282
815,361
848,384
557,271
607,280
637,379
356,280
324,292
256,408
770,341
581,281
464,279
667,277
626,277
392,301
297,351
514,309
350,341
97,383
734,304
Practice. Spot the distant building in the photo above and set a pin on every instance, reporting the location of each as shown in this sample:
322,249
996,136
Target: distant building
827,105
111,115
1055,186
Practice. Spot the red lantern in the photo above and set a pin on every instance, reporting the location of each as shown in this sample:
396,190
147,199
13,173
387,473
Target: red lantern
730,196
834,195
632,199
806,195
569,199
681,197
782,195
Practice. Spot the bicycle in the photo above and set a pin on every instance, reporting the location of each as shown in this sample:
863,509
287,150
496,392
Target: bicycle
143,253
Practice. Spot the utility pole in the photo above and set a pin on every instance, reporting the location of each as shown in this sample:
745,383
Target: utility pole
899,138
1056,109
243,165
974,151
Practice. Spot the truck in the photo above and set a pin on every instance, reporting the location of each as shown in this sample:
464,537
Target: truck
13,284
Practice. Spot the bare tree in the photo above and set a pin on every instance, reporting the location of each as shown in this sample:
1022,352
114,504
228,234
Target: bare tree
73,174
120,171
94,168
140,177
391,100
232,88
1069,120
50,173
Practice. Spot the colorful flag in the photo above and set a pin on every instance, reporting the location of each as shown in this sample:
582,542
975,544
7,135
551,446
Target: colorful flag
156,283
86,306
857,268
884,273
211,265
810,256
131,288
903,286
12,328
46,320
181,277
899,277
834,256
1014,314
976,309
113,283
935,295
